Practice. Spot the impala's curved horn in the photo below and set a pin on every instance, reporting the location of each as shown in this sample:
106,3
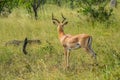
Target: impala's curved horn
54,19
63,18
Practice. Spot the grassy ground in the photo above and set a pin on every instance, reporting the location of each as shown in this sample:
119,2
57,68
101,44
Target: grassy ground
45,61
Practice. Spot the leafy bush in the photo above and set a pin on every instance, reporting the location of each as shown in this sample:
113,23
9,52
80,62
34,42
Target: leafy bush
96,10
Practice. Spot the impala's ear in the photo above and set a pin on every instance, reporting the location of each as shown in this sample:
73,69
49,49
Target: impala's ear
65,23
54,22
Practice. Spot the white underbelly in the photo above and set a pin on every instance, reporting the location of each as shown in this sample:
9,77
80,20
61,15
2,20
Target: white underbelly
73,46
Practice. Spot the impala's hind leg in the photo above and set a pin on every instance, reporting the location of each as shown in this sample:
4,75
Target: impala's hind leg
89,48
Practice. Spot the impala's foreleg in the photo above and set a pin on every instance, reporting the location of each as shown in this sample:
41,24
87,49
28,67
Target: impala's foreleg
66,57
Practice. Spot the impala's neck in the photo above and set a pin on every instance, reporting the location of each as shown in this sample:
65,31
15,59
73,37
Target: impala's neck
60,32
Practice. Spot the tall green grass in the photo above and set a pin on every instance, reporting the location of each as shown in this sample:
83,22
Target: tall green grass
45,61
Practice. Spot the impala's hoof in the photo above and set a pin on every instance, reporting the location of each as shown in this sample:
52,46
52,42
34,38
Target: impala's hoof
67,67
94,56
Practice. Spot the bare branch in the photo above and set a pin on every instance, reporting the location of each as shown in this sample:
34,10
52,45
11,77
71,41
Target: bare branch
38,4
24,46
